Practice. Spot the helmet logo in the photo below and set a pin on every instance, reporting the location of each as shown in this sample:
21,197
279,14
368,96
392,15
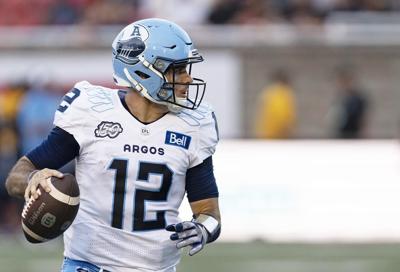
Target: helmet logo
127,51
135,31
131,43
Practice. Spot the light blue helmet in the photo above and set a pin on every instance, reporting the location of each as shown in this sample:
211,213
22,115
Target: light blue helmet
143,52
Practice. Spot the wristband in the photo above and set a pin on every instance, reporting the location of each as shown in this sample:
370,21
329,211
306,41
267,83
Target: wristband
212,226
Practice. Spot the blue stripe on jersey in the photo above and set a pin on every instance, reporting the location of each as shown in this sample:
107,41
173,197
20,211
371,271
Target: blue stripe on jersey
58,149
216,124
200,181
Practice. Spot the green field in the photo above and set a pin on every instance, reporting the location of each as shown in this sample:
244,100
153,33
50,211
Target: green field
18,256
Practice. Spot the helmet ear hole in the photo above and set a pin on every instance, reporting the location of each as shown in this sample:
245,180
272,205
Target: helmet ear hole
142,75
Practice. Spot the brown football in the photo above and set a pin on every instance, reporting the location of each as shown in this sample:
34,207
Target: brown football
52,213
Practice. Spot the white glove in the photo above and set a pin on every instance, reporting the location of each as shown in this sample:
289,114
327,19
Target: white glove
189,233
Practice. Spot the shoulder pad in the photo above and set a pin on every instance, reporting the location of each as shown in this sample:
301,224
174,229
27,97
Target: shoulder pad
198,116
82,107
207,132
99,99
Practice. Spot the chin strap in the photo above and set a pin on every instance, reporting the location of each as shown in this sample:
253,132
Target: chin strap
210,224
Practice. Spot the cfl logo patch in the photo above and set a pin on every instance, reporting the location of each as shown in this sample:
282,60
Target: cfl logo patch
108,129
177,139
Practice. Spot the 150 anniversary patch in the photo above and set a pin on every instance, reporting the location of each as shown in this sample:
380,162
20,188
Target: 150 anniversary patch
108,129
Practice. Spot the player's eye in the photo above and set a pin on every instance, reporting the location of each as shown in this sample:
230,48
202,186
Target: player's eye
181,69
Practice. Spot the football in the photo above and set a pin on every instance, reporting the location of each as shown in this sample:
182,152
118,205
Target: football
52,213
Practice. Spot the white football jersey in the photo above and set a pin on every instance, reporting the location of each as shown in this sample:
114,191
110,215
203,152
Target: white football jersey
131,178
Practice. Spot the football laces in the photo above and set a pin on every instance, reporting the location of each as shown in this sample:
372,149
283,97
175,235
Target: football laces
28,205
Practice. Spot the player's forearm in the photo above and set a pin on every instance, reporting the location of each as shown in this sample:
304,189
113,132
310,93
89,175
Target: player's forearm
207,206
17,178
207,214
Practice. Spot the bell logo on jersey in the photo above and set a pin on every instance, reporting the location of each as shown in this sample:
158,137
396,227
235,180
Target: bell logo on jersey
108,129
177,139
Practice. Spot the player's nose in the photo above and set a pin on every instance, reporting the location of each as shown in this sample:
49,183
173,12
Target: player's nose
187,78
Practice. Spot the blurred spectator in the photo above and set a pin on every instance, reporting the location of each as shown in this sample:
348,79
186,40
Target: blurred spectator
9,208
364,5
36,113
276,116
110,12
256,12
304,12
97,12
190,12
20,12
65,12
224,11
351,107
10,98
8,151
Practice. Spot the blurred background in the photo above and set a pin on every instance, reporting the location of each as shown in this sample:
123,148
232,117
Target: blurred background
306,94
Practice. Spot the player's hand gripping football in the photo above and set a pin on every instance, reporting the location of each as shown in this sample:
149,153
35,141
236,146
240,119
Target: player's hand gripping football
189,233
42,178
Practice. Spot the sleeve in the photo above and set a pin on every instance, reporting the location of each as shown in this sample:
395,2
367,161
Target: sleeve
72,112
58,149
206,140
200,181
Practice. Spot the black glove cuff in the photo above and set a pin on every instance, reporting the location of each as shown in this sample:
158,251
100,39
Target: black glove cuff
212,237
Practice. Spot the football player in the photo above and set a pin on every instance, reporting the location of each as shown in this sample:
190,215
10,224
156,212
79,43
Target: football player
137,153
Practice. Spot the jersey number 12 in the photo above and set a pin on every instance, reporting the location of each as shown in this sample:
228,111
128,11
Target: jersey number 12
141,196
